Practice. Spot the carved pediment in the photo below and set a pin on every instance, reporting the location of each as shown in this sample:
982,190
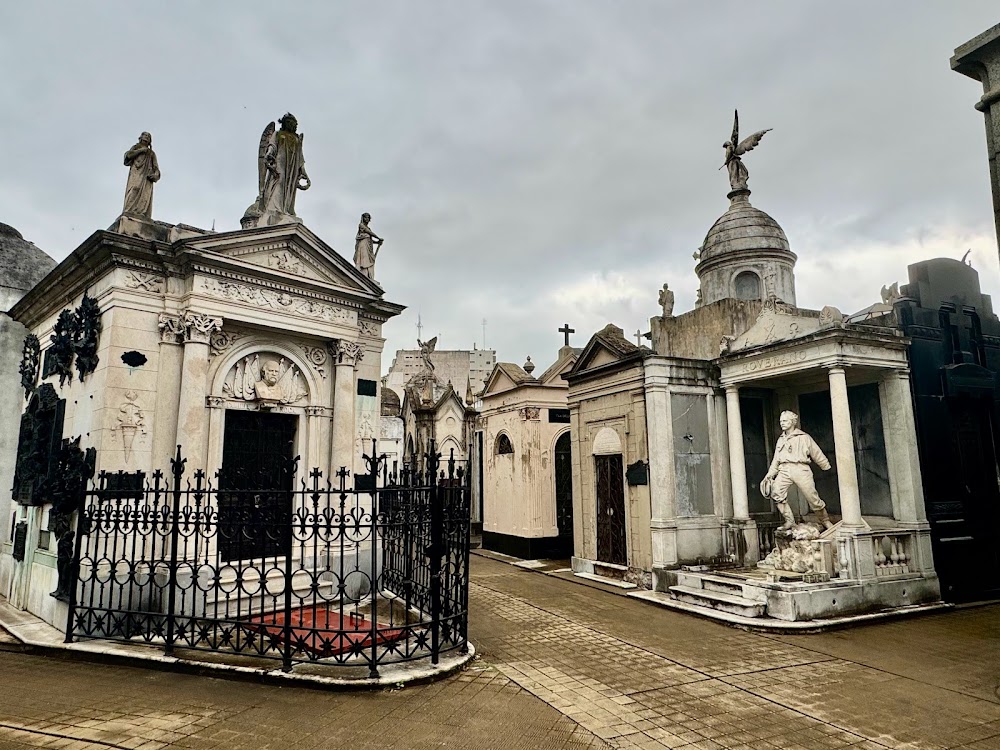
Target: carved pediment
290,250
776,322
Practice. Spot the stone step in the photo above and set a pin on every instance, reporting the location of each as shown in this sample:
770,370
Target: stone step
710,583
735,605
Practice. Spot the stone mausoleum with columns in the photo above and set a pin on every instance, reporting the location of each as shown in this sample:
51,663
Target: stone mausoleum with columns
246,348
671,443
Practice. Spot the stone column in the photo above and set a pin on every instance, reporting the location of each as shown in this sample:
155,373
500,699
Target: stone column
901,453
979,58
168,380
192,414
737,460
345,355
843,439
662,488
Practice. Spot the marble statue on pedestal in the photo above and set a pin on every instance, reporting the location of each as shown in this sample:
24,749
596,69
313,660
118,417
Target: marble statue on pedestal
366,247
281,172
735,148
790,466
143,171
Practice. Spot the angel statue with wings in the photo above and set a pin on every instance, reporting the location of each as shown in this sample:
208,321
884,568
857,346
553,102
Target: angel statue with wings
281,171
734,150
426,349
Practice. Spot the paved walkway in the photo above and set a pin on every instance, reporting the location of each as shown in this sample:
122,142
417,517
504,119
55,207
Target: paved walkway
561,665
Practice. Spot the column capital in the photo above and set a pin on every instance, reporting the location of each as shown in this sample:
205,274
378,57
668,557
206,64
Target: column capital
837,368
345,352
171,329
732,388
199,327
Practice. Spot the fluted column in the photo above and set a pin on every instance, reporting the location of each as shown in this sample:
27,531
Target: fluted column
737,460
345,355
843,438
192,416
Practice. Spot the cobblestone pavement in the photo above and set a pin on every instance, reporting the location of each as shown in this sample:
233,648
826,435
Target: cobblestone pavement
561,666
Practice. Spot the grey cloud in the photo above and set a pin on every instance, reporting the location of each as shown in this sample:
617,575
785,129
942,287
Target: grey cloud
508,150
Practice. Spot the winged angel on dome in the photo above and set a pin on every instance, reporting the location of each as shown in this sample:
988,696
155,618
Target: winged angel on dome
738,174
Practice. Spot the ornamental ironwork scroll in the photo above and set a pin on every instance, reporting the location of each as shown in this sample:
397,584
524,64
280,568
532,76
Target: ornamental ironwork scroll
86,331
30,355
38,446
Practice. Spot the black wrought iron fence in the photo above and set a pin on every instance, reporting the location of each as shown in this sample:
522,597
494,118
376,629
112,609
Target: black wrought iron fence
319,573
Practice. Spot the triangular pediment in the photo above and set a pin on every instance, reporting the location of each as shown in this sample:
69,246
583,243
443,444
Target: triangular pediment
291,251
776,322
606,347
554,375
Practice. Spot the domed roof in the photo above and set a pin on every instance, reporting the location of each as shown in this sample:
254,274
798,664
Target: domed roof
743,228
22,265
390,403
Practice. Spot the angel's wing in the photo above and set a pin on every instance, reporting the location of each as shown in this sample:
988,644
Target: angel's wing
750,142
736,128
431,344
265,140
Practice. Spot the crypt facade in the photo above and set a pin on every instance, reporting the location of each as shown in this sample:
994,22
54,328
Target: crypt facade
671,444
257,351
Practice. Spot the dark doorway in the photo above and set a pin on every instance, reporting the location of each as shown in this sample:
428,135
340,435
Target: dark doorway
610,510
756,450
963,528
256,482
564,493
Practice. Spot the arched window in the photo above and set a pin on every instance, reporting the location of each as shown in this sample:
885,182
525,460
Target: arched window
504,445
747,285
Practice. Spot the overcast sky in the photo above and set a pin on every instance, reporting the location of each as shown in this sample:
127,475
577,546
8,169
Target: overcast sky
530,163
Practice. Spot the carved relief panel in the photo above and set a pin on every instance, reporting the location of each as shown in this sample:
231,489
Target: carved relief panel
267,378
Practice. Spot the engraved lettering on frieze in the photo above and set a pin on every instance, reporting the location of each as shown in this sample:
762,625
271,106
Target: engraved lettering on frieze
285,260
199,326
146,282
316,356
265,378
778,360
171,329
267,298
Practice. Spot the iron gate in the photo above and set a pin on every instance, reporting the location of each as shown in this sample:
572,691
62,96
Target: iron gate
322,573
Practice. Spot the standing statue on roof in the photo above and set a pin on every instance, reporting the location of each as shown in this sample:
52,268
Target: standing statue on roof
281,172
738,174
143,171
366,247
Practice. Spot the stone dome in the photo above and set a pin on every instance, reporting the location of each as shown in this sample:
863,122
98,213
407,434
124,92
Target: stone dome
22,265
746,256
743,227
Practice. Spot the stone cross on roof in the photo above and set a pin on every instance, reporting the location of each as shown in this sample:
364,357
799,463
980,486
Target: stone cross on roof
566,331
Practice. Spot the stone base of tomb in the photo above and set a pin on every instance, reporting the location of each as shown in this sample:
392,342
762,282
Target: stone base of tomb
812,580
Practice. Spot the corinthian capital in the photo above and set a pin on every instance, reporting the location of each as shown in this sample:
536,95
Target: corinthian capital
345,352
199,327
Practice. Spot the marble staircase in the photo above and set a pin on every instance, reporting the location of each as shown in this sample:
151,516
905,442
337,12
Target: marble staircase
715,592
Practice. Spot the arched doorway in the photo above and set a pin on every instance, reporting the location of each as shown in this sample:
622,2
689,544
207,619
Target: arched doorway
610,480
563,466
